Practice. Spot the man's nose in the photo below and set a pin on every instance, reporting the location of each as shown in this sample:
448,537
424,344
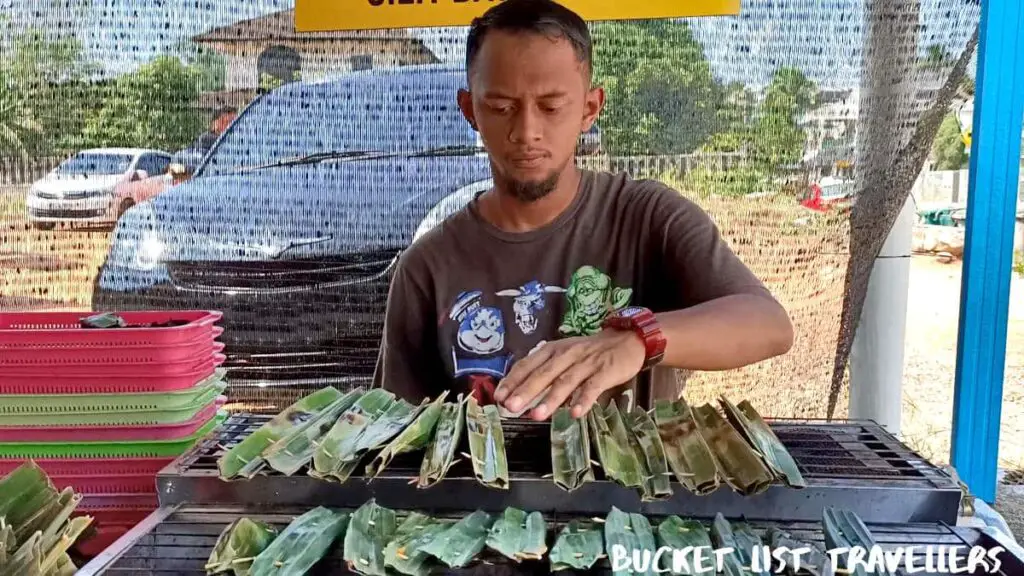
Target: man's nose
526,126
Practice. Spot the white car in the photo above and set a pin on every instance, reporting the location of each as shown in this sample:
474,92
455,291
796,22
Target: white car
82,188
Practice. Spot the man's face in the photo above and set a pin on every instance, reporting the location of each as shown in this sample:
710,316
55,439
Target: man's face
530,99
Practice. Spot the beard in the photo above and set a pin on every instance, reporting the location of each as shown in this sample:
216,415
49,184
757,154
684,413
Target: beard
531,191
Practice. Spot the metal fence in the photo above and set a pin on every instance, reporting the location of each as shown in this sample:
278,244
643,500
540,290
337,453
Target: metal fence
16,170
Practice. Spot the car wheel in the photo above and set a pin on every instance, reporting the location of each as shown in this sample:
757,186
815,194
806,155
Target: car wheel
44,225
125,205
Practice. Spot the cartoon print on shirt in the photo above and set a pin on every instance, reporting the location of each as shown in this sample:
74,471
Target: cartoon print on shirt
529,300
480,339
591,297
481,328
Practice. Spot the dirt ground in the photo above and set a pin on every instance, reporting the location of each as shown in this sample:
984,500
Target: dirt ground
930,363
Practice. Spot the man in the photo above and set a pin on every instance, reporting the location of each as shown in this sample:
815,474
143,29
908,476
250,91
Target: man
222,118
560,284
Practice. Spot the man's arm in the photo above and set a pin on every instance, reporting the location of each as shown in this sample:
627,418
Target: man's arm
408,364
722,317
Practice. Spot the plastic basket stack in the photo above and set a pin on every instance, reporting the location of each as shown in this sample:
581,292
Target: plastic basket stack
104,409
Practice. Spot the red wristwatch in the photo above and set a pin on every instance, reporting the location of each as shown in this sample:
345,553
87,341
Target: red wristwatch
643,322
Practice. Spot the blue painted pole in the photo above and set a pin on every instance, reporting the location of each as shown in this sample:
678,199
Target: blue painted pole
988,248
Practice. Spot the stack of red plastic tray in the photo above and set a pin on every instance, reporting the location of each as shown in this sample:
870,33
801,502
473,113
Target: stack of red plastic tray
104,409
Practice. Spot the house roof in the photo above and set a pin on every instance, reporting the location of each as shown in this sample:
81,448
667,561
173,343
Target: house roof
281,26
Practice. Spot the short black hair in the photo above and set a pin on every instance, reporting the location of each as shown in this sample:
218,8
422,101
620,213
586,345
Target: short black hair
544,17
223,111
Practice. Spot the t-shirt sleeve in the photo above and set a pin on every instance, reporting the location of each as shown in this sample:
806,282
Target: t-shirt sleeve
695,259
408,363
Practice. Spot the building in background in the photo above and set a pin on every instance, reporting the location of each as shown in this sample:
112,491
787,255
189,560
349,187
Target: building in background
264,52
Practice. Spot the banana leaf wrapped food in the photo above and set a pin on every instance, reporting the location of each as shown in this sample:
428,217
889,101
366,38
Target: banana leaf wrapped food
721,533
614,448
295,450
374,419
685,449
631,531
440,454
487,445
650,452
246,458
404,552
369,531
579,546
741,466
462,541
301,544
416,436
815,563
238,545
757,432
747,545
679,534
844,529
570,450
518,535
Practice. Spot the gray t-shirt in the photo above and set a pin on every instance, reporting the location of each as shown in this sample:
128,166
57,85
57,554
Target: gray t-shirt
468,300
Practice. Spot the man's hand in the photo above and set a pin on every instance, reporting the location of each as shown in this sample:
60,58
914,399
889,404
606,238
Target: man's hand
582,368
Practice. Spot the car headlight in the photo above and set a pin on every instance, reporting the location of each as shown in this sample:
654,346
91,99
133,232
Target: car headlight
137,243
449,205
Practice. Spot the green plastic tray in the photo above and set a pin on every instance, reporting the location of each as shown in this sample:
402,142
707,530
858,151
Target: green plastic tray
109,409
153,449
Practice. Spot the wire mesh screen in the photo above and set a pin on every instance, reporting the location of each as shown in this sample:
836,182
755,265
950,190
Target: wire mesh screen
135,139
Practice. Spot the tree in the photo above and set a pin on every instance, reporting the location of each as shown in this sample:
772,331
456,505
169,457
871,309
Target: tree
18,127
948,149
778,140
661,95
50,81
151,107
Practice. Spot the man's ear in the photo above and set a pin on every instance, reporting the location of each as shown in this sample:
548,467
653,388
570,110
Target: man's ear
466,105
592,106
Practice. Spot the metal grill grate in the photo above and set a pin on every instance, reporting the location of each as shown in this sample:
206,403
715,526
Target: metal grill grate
853,464
179,542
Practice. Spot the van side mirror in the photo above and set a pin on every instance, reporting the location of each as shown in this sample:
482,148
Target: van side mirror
139,175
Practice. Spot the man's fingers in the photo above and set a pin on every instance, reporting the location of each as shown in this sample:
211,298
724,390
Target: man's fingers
563,388
543,377
522,370
590,392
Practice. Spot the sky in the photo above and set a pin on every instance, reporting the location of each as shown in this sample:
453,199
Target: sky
821,37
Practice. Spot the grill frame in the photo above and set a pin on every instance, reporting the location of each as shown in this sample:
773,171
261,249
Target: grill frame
194,529
920,493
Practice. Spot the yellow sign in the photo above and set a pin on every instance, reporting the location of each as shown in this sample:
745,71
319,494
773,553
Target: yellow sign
329,15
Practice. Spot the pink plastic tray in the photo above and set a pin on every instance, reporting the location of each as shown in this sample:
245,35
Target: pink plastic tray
112,433
63,467
209,360
104,383
63,329
200,347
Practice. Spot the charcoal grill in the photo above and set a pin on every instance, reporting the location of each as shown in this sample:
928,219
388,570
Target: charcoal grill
178,540
850,464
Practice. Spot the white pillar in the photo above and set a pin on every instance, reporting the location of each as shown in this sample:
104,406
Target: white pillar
876,360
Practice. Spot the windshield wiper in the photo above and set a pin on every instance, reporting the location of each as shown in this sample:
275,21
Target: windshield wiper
309,159
365,155
449,151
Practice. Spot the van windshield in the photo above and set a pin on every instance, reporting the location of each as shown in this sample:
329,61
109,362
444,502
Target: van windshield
389,112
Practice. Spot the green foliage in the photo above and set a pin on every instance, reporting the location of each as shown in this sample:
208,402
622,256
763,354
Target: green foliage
1018,263
734,182
770,134
42,79
948,149
152,107
661,96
